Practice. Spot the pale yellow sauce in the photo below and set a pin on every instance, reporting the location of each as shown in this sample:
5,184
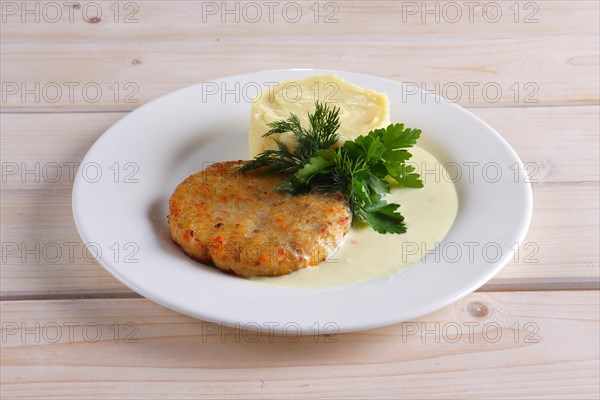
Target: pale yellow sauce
365,254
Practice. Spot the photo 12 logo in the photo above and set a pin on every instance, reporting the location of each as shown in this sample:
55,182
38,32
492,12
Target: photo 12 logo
270,11
472,92
127,172
469,331
53,12
452,12
489,172
251,92
68,332
53,252
69,92
254,332
469,252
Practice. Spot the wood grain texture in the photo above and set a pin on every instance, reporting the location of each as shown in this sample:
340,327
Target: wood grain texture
209,21
483,72
43,256
531,332
488,345
561,142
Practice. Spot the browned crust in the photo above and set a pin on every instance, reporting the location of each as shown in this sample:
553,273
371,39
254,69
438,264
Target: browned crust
241,224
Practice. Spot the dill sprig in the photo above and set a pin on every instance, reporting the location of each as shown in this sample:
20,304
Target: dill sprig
358,168
322,134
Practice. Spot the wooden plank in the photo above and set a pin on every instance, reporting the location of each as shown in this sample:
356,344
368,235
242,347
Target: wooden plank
260,21
561,247
560,144
43,254
488,345
478,71
36,207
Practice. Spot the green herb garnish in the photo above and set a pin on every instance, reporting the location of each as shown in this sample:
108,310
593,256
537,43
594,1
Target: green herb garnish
358,168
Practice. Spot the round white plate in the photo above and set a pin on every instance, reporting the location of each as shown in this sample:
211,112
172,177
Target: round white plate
122,188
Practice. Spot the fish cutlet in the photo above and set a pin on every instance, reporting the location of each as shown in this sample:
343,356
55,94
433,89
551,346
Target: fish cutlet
240,223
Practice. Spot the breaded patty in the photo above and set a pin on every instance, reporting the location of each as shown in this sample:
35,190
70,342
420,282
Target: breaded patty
241,224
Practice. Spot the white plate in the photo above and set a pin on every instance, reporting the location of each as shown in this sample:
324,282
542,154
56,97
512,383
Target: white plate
120,205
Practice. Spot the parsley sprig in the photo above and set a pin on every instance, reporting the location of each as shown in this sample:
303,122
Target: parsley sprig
358,169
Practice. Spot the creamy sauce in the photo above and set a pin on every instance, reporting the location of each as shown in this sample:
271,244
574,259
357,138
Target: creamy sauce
361,110
365,254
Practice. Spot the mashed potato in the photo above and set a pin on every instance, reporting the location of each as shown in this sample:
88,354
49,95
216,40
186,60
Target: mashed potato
361,110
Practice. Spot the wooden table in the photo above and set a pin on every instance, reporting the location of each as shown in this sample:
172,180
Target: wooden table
70,330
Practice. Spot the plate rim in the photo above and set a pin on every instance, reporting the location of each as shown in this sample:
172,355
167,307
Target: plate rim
347,326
